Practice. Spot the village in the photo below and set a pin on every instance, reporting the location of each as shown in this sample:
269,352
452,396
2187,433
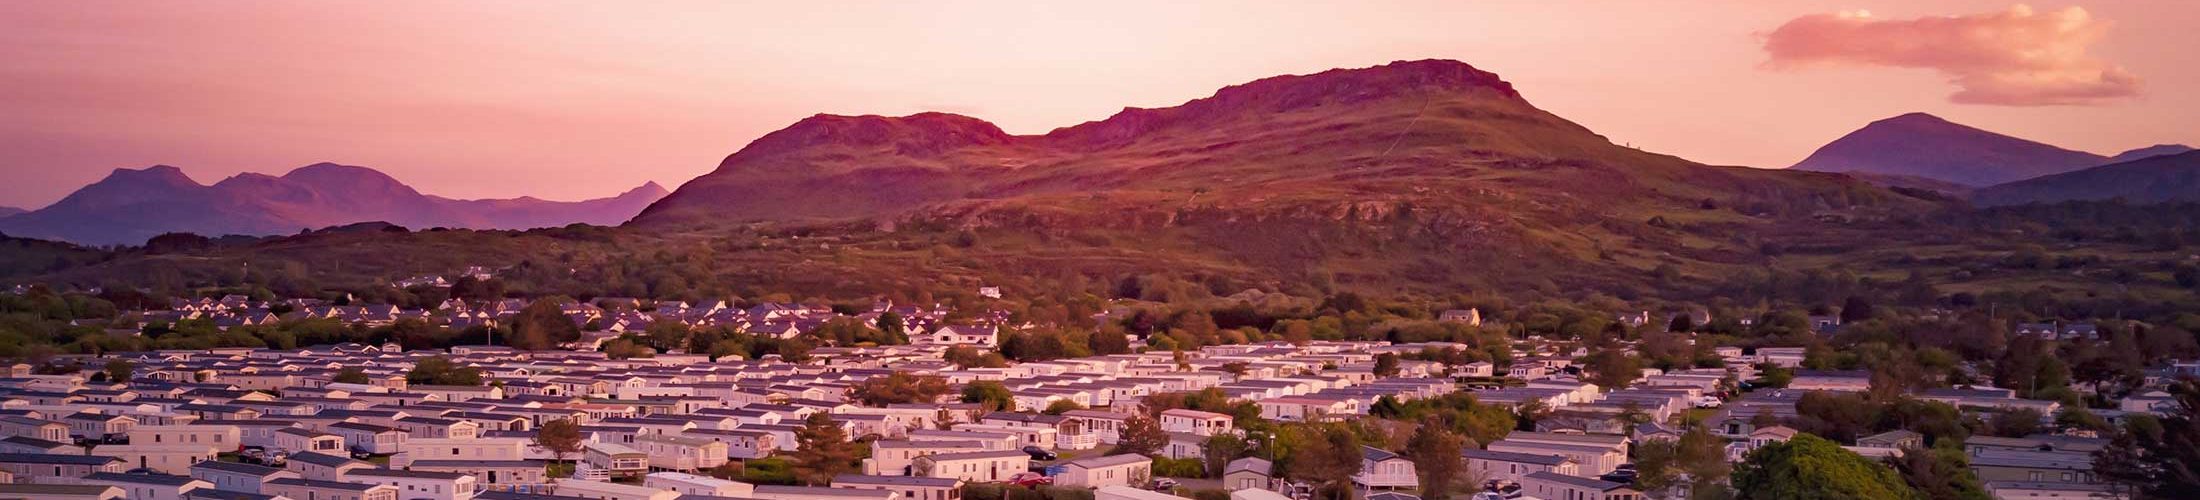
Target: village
916,421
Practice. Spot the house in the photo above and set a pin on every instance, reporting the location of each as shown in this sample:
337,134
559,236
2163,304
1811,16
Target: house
322,467
20,444
892,457
1767,436
1100,472
2054,491
369,438
164,458
1183,445
1306,409
1130,493
148,486
1202,423
63,491
976,466
910,488
515,476
2033,466
99,427
221,437
481,448
740,443
599,490
1825,380
418,485
1383,469
690,484
1561,486
1594,455
1249,474
295,439
1470,316
1895,439
678,453
1513,467
1105,427
314,489
958,335
234,476
11,425
615,460
458,392
56,469
767,492
1477,369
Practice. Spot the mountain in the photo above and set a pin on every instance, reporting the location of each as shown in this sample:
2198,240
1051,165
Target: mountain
130,206
1440,132
1923,145
2155,179
2148,152
1413,171
7,211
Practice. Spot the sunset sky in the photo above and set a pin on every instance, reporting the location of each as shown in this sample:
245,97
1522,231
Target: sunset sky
571,100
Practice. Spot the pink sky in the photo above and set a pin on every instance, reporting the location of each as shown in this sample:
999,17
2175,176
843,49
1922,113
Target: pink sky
570,100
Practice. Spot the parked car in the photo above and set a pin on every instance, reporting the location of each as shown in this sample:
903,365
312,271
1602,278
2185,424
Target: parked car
1030,479
1620,476
1038,453
1709,402
1163,483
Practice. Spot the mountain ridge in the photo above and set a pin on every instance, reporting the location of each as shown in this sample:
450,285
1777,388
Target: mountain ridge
130,205
889,165
2152,179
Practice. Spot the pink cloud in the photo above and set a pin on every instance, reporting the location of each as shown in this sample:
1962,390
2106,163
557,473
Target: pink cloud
2017,57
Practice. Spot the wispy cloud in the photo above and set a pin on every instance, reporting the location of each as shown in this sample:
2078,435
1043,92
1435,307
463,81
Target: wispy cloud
2017,57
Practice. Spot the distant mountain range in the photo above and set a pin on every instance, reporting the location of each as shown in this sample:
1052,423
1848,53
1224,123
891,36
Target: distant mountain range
130,206
1929,147
7,211
2156,179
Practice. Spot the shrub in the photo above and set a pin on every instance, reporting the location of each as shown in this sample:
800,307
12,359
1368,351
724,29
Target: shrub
1180,467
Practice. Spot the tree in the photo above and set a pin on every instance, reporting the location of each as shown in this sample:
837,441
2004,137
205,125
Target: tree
543,325
2160,457
119,370
970,357
1327,456
990,396
1939,473
822,451
1386,365
1700,455
352,375
1061,406
893,326
1435,456
1856,309
1810,467
626,348
1141,435
2019,422
1218,450
1771,375
1612,368
562,437
900,387
440,370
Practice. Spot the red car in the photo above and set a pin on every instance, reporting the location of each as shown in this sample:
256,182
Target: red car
1030,479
